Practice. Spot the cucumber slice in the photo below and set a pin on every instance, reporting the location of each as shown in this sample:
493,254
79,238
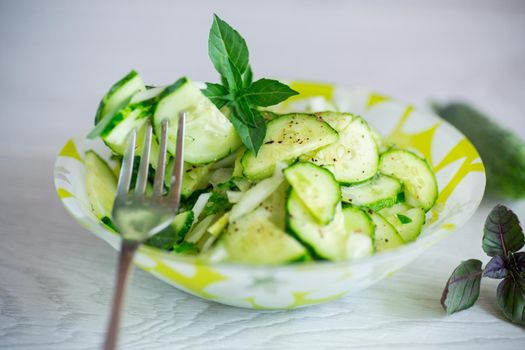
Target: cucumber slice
173,234
287,137
360,229
101,185
275,206
421,188
328,241
386,237
209,134
407,221
115,101
253,239
132,117
116,134
317,189
194,178
122,90
380,192
354,157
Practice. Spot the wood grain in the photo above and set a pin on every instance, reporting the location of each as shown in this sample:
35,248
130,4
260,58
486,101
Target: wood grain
57,58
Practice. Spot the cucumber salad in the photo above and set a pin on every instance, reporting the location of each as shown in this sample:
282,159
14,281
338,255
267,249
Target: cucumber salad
261,187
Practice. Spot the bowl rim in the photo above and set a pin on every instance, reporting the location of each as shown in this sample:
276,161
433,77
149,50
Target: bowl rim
414,246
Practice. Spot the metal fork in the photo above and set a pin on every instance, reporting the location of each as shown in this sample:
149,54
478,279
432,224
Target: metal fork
139,216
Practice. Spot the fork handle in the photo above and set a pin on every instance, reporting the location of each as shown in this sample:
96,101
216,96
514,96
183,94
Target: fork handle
127,252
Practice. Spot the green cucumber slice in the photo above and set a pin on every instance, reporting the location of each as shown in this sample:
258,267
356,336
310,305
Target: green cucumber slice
317,189
275,205
122,90
253,239
380,192
115,99
325,241
407,221
194,178
386,237
101,184
354,157
209,134
421,188
287,137
360,229
173,234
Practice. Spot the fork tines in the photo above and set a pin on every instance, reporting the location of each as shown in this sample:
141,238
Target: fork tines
126,171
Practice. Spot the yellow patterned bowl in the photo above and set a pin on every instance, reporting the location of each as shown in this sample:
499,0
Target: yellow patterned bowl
461,180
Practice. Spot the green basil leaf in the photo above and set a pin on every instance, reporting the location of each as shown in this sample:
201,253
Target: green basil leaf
511,298
502,233
225,46
217,93
462,288
404,219
249,124
268,92
247,77
234,78
496,268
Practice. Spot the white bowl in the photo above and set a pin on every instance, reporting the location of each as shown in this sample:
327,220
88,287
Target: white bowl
461,180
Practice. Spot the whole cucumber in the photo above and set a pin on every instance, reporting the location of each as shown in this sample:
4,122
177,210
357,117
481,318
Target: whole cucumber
502,152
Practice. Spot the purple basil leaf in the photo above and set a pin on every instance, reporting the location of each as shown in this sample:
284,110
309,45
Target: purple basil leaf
502,233
496,268
462,288
511,298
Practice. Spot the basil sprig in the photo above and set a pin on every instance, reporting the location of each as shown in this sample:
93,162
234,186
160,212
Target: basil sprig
230,57
502,239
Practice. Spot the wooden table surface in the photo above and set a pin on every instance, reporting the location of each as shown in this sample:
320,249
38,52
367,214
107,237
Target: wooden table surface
58,57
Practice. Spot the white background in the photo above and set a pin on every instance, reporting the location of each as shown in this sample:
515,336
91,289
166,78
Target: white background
57,58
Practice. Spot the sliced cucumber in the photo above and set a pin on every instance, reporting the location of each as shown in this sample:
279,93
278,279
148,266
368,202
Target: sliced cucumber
132,117
287,137
275,206
115,99
421,188
173,234
386,237
360,229
121,91
357,221
354,157
325,241
407,221
253,239
116,134
101,184
317,189
380,192
209,134
194,178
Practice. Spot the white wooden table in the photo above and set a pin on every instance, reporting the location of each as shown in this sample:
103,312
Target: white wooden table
58,57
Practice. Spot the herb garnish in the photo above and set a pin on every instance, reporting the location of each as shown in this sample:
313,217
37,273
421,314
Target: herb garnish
229,54
502,239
